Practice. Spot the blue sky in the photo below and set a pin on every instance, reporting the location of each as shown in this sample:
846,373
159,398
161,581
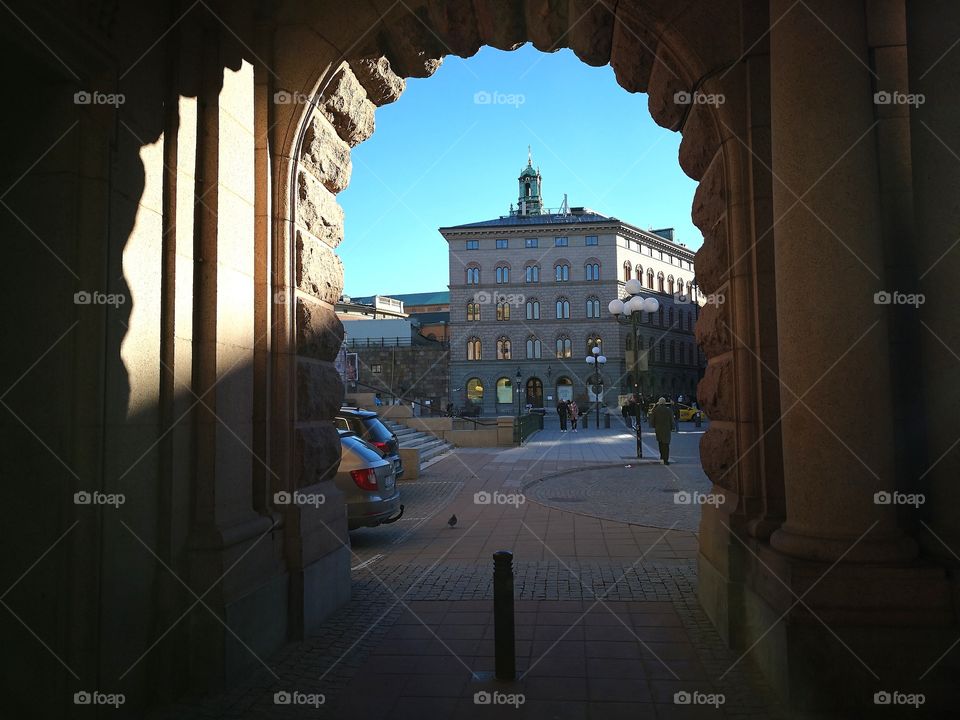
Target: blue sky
441,156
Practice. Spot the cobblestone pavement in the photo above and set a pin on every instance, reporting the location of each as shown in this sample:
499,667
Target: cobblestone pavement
608,624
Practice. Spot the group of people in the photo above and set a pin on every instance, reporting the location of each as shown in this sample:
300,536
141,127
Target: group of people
567,409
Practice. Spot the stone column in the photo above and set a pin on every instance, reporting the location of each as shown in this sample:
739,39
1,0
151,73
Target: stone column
832,337
935,141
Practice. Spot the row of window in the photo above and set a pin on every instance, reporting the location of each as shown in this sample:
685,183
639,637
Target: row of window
561,273
685,319
672,351
664,285
591,273
559,241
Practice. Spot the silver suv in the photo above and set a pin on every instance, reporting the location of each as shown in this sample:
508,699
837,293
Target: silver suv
368,484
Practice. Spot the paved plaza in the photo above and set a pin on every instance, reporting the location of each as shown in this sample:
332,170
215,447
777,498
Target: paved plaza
607,622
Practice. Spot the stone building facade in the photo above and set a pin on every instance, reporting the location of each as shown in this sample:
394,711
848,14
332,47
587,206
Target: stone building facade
207,201
528,301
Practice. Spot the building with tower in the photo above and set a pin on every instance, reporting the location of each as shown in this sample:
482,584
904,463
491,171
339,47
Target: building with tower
528,302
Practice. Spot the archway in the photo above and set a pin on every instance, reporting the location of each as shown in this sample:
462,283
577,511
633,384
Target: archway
535,392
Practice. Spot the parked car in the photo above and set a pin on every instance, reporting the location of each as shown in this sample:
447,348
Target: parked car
368,484
368,426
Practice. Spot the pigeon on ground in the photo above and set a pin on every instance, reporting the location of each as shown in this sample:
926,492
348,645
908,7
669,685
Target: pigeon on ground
452,521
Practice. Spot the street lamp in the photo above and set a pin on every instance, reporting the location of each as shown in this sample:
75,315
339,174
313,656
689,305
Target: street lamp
629,311
518,394
596,361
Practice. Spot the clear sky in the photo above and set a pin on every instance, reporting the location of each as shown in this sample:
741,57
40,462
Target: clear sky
442,156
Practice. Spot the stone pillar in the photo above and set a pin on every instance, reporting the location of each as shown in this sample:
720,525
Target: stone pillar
832,337
935,138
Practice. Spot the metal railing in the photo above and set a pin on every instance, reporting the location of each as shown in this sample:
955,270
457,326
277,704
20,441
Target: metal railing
525,426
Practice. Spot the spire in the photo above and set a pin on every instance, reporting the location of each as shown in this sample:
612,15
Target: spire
529,201
529,157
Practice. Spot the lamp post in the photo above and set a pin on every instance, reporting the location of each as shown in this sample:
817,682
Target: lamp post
596,361
519,375
629,311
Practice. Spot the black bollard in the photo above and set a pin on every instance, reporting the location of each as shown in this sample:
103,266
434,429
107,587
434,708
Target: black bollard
505,661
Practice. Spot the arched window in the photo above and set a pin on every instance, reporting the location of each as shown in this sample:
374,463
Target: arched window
639,272
661,350
503,311
473,275
660,318
474,391
473,311
670,284
593,307
562,272
503,348
533,309
591,271
673,351
563,309
504,391
660,282
594,340
564,388
534,349
503,274
627,269
650,279
474,349
532,273
670,316
564,347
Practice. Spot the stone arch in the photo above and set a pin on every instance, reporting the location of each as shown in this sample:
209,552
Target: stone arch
668,52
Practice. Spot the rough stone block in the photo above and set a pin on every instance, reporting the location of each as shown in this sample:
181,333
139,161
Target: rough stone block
718,453
348,108
712,329
318,210
319,330
710,200
591,35
456,23
667,91
632,53
319,270
716,390
317,453
382,85
412,45
712,260
319,390
547,23
700,141
325,155
502,24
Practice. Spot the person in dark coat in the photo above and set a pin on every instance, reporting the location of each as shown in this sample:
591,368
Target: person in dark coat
627,412
662,421
562,412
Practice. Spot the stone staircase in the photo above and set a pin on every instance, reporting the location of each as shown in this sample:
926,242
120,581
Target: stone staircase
430,446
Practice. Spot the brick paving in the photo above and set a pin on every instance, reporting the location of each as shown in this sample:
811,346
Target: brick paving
608,625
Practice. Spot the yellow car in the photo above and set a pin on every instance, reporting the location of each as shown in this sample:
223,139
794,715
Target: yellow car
688,413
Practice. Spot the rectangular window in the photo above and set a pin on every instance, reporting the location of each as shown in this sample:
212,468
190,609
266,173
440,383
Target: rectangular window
590,240
376,369
531,243
560,242
473,244
502,244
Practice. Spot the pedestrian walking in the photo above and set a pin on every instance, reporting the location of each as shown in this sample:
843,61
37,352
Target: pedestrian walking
574,414
626,412
662,421
562,413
